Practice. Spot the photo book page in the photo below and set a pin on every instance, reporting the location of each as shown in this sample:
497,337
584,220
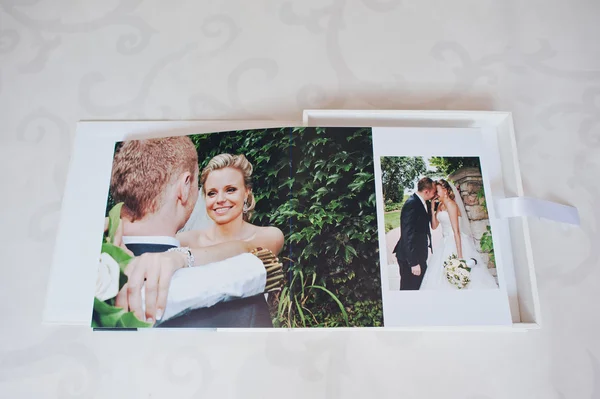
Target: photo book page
425,281
282,227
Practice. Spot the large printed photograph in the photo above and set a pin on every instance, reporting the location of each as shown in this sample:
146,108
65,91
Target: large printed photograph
242,229
438,232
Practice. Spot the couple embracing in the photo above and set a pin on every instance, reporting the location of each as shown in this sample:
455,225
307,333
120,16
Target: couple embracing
157,180
434,204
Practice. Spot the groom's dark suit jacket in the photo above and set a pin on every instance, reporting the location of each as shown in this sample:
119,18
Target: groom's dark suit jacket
243,313
415,234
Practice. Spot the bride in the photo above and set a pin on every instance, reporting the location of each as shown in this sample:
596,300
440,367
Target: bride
229,202
456,239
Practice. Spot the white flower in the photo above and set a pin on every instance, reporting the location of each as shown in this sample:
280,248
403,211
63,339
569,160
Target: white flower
107,283
456,272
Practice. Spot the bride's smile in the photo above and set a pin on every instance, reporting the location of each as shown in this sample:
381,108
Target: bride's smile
222,210
225,194
226,183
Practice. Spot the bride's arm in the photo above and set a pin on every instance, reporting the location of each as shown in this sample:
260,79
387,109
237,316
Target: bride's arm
219,252
155,270
212,253
434,221
452,209
270,238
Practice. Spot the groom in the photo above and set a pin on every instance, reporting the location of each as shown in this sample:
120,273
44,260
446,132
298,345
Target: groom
157,181
415,236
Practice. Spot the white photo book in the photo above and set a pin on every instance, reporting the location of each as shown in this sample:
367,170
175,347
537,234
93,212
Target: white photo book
386,219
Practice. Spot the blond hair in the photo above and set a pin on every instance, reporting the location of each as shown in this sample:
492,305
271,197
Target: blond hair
142,169
446,186
239,162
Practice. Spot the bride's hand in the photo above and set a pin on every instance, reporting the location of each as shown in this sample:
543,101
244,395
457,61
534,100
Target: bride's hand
157,270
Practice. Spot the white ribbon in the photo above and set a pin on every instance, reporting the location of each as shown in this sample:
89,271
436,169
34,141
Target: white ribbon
533,207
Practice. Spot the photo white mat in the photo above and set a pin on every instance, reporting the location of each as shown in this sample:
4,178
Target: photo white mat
443,308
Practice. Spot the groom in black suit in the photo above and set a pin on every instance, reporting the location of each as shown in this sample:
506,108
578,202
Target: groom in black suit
415,236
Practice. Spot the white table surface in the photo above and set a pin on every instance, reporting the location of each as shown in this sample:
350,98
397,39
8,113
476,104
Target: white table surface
63,61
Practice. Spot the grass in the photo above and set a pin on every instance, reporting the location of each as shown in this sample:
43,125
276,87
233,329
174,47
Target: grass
392,220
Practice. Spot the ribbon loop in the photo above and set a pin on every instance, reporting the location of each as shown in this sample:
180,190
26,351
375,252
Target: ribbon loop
526,206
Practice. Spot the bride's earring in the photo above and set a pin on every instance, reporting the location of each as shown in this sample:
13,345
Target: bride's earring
245,208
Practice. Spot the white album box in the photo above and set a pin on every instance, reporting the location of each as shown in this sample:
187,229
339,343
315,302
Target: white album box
488,137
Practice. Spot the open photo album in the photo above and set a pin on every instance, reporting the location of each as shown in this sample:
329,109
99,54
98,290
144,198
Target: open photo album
259,225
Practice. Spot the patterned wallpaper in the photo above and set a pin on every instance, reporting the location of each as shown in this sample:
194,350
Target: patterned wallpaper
63,61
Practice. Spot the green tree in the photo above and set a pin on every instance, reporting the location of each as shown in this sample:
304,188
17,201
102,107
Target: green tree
448,165
399,173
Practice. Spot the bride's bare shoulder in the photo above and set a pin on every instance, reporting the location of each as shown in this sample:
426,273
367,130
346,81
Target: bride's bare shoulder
193,238
270,236
269,231
452,207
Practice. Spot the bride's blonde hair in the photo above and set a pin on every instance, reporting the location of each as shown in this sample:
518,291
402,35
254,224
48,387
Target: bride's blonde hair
446,187
240,163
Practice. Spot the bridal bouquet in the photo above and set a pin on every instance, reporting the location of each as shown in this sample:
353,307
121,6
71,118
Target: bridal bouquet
457,272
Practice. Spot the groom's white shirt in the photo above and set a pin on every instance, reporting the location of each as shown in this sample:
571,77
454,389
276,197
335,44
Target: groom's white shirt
422,200
161,240
203,286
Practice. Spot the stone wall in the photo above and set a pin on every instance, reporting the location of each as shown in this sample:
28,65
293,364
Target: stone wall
469,182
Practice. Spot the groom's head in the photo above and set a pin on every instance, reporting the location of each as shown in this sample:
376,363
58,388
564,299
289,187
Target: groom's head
426,188
157,180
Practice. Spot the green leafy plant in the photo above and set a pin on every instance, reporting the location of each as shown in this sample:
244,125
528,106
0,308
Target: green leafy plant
481,198
293,308
367,313
388,227
487,244
105,313
317,185
448,165
393,206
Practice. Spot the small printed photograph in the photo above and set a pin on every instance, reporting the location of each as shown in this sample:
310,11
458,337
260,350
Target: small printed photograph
437,230
241,229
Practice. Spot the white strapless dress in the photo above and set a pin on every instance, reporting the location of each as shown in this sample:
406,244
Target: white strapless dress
435,278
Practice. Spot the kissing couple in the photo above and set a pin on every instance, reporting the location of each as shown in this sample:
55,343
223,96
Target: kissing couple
434,204
157,180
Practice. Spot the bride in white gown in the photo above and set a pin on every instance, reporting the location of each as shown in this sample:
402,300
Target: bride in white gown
456,239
